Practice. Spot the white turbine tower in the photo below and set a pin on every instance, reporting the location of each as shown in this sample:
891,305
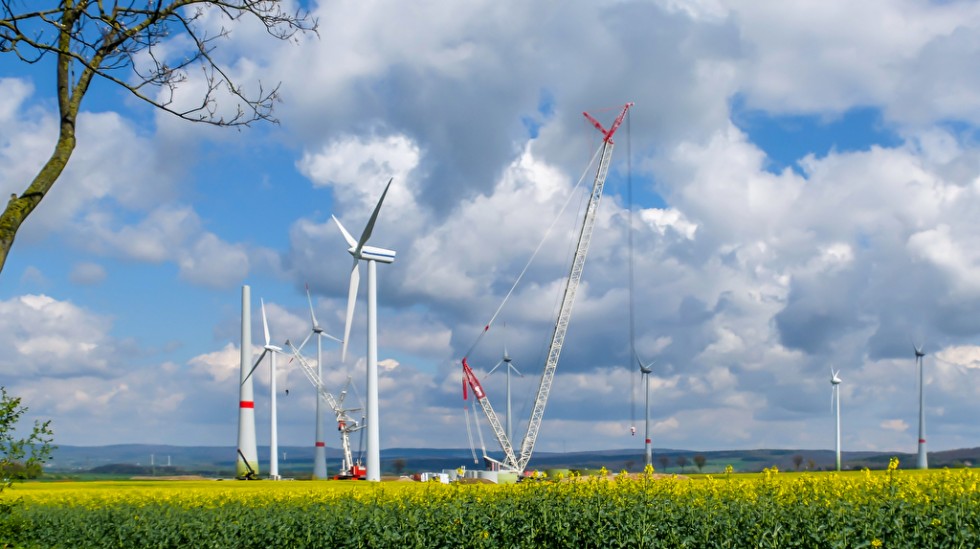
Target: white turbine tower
835,382
372,255
645,371
510,366
320,447
271,350
923,461
247,460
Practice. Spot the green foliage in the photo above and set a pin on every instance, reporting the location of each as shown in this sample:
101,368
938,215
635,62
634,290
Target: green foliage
773,509
20,458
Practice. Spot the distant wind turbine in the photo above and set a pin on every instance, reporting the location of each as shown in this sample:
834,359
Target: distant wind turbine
922,461
510,366
320,447
645,371
835,382
272,351
360,251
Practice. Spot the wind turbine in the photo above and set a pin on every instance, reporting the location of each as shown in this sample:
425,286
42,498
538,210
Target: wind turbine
359,250
835,381
320,448
923,461
247,461
510,366
271,350
645,371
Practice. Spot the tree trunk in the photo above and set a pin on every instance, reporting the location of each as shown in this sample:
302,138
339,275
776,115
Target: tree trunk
69,100
19,207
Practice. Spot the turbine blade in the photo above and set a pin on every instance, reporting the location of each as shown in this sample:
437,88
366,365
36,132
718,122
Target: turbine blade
494,368
326,335
369,228
516,370
256,365
265,323
355,280
303,344
310,300
350,239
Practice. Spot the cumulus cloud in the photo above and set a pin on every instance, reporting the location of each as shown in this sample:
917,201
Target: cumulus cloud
49,337
169,233
222,365
749,282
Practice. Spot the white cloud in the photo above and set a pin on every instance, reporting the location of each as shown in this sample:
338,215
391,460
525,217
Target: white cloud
87,274
749,283
961,265
347,164
836,55
895,425
222,365
967,356
48,337
170,233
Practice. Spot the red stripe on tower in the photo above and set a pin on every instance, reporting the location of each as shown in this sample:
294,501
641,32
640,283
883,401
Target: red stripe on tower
648,441
922,441
246,404
320,445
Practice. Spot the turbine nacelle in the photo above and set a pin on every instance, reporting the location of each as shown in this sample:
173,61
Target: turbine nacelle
645,369
835,377
371,253
510,365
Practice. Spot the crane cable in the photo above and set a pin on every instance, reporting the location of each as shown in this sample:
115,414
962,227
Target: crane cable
632,304
469,433
533,255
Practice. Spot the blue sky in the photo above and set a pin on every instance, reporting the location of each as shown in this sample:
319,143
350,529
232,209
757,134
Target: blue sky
805,196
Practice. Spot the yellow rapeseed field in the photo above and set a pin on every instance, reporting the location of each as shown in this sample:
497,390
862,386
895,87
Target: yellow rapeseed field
890,508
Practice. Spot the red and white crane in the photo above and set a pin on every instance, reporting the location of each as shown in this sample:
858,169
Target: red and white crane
512,461
345,423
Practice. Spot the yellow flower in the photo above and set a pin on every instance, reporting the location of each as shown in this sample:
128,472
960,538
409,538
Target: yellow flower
876,542
936,522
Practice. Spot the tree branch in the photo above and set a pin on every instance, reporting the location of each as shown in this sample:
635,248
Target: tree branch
118,40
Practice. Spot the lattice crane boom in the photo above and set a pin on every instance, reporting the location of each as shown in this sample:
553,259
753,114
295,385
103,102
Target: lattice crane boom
571,287
511,460
345,423
469,378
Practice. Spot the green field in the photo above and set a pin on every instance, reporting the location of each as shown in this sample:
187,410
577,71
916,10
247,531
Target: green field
862,509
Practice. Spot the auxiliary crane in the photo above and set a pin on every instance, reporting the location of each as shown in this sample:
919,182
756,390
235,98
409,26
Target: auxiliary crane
349,470
512,461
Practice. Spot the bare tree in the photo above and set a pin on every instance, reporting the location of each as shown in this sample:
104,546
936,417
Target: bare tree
682,462
664,462
398,465
124,42
797,461
700,460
